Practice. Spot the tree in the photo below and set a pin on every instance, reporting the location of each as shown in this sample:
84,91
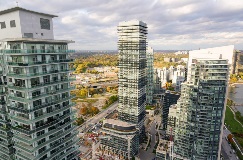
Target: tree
230,138
79,121
83,92
94,110
84,111
108,89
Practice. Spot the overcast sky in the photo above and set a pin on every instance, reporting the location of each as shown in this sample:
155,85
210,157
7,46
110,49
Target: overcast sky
172,24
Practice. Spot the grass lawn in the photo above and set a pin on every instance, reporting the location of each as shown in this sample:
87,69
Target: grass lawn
231,123
149,107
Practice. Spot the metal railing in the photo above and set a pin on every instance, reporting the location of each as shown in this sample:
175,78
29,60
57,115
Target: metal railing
24,75
37,85
34,51
21,63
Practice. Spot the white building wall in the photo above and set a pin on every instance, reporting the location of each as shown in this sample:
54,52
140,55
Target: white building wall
30,23
9,32
225,52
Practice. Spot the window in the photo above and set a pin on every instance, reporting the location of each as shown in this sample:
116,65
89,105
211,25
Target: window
42,34
45,23
3,25
12,24
28,35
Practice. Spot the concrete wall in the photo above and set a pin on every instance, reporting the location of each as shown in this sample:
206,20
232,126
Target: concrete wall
26,22
30,23
9,32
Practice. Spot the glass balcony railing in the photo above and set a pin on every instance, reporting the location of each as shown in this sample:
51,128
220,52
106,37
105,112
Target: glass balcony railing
74,154
28,121
30,149
45,125
54,102
37,85
34,51
21,63
58,148
58,127
23,75
42,95
24,155
57,136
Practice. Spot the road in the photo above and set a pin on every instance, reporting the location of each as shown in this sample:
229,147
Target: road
226,148
148,155
86,125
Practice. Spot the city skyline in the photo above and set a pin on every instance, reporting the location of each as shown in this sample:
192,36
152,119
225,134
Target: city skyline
173,25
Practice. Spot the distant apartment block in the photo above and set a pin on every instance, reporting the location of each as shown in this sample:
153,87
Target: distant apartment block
175,75
35,101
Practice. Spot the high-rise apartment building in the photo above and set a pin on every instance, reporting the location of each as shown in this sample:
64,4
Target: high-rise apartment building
37,105
125,132
150,75
201,107
132,45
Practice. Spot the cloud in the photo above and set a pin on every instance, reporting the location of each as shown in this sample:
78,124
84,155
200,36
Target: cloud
172,24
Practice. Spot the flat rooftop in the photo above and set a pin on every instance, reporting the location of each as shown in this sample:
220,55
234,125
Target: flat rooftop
36,40
23,9
119,125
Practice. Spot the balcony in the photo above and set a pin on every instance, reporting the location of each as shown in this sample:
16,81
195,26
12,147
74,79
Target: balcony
33,63
45,125
71,143
30,149
2,111
42,95
28,140
2,102
26,120
59,136
38,85
37,74
34,51
71,154
24,155
24,110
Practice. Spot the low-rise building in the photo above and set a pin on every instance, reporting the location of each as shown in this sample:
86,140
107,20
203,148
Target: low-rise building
123,141
163,150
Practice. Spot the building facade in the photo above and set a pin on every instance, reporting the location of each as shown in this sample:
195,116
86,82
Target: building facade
37,73
201,107
150,74
169,98
132,44
122,139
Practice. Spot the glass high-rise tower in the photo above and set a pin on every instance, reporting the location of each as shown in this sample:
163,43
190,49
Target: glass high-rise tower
37,105
132,44
150,75
201,107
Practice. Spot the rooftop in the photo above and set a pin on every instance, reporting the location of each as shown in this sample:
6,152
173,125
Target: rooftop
118,123
23,9
163,146
35,40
